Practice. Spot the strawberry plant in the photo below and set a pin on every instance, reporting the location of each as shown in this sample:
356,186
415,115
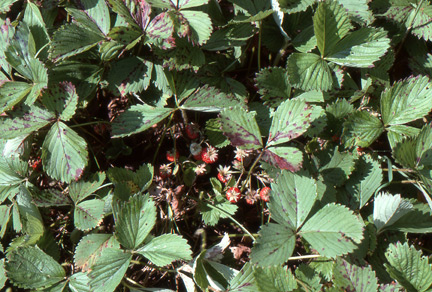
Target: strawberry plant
203,145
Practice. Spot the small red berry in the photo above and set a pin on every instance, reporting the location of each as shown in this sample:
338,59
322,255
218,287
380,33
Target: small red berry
221,177
37,164
265,194
209,155
165,171
224,173
192,131
233,194
170,155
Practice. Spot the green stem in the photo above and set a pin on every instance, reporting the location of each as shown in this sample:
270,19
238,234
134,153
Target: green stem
235,221
251,169
162,138
311,256
88,124
259,44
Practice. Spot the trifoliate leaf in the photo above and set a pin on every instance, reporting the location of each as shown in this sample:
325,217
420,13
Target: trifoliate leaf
134,181
134,220
80,190
274,245
109,270
221,207
358,11
165,249
365,179
331,24
306,40
210,99
138,119
282,157
292,198
416,19
360,48
79,282
274,279
409,267
291,119
90,247
130,75
333,231
61,99
308,71
30,268
350,277
89,214
361,129
337,170
11,93
72,39
388,209
241,128
406,100
64,153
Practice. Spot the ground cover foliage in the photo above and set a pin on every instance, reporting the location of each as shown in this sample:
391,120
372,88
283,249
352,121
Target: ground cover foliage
203,145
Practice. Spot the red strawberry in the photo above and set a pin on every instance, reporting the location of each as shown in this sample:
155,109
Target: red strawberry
265,194
233,194
209,155
192,131
224,173
165,171
170,155
37,164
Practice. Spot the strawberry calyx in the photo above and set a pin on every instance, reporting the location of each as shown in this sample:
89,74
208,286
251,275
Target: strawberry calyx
233,194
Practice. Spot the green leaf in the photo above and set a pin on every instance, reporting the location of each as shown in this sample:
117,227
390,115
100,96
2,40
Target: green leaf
6,34
4,218
331,24
405,153
244,281
165,249
275,279
358,11
12,92
409,267
214,133
273,82
241,128
418,220
306,40
89,214
350,277
397,133
406,100
291,119
160,31
337,170
72,39
64,153
284,157
24,121
31,268
90,247
130,75
310,278
9,174
333,231
388,209
79,282
210,99
109,270
200,26
34,19
232,35
423,147
80,190
134,220
274,245
119,7
5,5
308,71
221,207
293,6
138,119
292,198
61,99
365,179
98,12
361,129
360,48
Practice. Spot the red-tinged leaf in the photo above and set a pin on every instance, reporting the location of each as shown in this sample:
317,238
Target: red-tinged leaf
160,31
6,33
61,99
141,13
241,128
284,157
